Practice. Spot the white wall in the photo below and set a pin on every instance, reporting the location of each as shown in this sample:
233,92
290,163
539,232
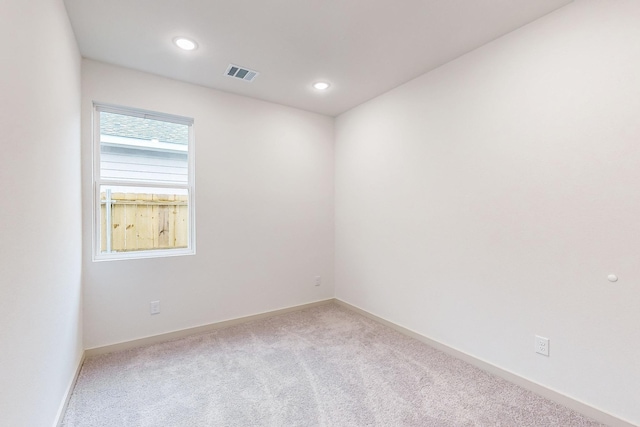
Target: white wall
264,196
488,200
40,255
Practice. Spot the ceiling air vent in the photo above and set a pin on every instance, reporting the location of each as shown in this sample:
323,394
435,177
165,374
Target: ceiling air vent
241,73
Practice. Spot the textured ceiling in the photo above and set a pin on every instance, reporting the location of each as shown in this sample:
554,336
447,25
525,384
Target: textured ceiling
362,47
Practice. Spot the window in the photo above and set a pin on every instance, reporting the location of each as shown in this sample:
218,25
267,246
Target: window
143,184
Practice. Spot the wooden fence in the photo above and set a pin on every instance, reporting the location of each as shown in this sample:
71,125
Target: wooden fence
144,222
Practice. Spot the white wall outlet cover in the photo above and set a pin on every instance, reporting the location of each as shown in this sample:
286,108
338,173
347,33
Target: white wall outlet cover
318,281
542,345
154,307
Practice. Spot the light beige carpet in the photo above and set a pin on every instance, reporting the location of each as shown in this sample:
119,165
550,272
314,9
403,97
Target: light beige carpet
323,366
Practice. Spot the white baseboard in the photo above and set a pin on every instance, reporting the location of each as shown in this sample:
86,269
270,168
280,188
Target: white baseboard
532,386
69,391
182,333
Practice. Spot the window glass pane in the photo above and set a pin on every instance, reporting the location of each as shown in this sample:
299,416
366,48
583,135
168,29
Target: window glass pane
143,150
143,218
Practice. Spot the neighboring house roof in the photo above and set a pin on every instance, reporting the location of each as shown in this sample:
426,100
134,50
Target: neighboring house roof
139,128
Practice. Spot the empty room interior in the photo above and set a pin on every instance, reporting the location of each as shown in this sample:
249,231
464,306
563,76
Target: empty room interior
322,213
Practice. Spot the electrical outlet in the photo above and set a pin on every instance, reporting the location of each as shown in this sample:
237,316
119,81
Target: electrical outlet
542,345
154,307
318,280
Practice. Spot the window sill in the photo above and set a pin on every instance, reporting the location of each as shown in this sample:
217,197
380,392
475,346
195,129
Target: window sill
157,253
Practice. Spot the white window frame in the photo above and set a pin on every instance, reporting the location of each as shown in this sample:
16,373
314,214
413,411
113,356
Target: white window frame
98,181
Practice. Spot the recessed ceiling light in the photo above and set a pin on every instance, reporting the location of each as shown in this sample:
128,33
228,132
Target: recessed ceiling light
321,85
185,43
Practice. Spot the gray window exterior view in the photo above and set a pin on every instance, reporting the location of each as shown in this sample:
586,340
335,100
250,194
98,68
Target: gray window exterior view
143,150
